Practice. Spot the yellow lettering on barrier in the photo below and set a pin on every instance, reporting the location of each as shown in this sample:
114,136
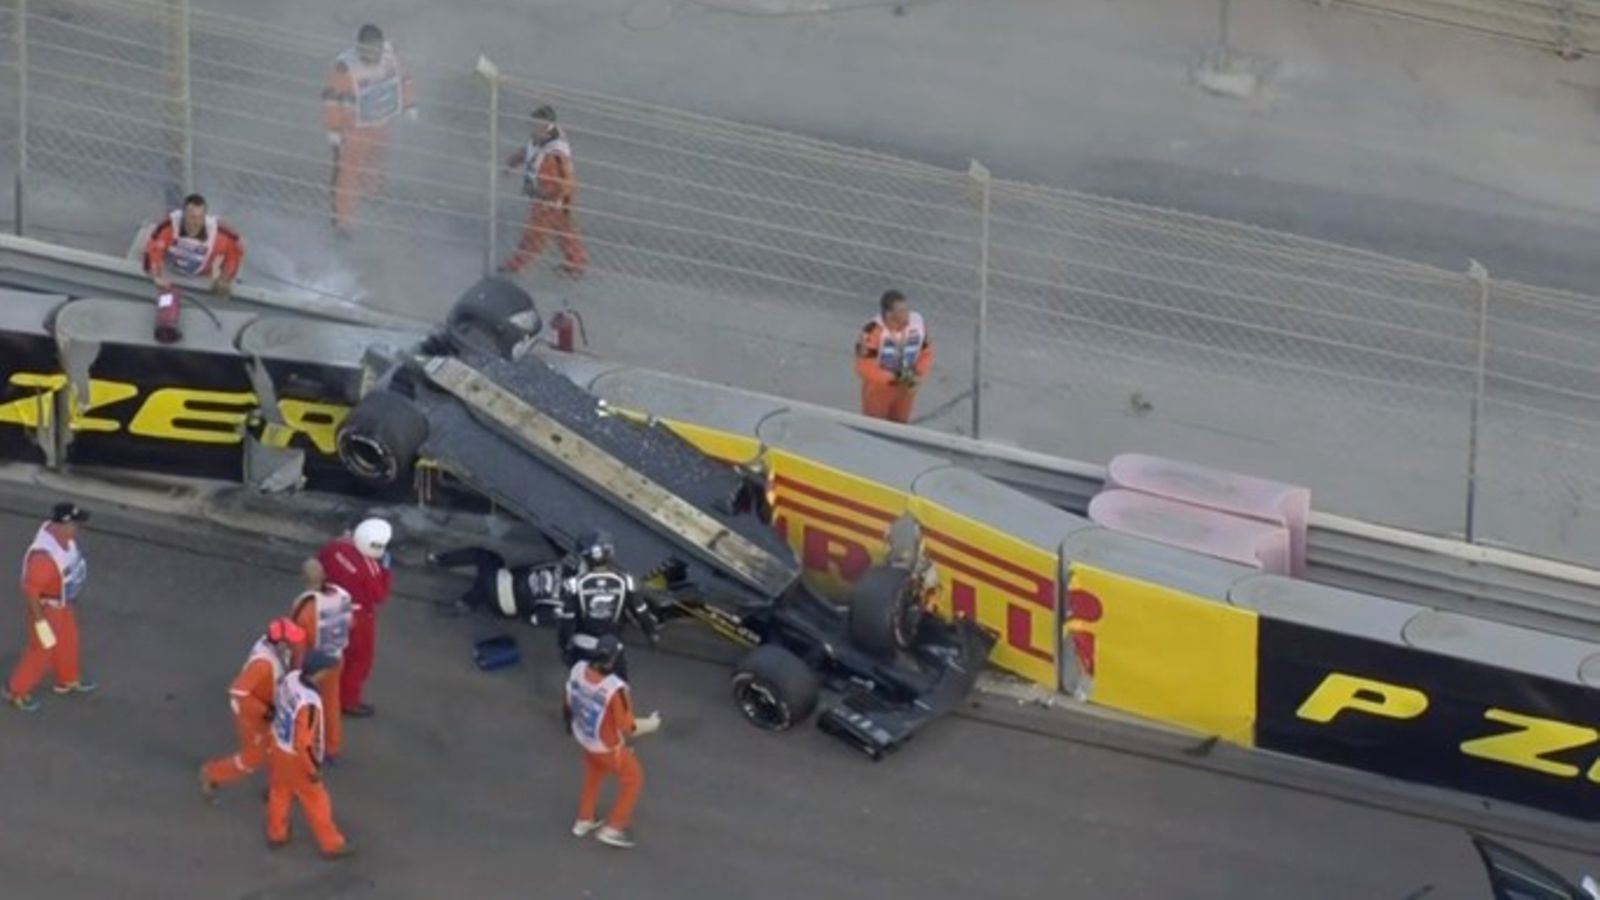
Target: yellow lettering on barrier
317,421
34,409
101,395
175,413
1532,741
1339,692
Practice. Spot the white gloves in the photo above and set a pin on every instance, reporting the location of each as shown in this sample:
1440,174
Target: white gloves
412,114
647,725
335,138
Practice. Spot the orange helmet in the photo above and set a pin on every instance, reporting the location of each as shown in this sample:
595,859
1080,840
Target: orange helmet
285,630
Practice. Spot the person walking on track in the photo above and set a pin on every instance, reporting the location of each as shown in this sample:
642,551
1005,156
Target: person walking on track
893,357
252,695
551,183
358,562
296,754
599,713
54,571
368,89
325,613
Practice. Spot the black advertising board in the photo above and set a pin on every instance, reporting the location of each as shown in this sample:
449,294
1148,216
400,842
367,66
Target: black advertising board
1428,718
28,378
313,399
165,409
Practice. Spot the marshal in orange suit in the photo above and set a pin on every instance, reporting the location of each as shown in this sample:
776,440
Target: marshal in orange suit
893,357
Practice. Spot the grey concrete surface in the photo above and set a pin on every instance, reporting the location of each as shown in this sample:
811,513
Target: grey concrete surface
463,785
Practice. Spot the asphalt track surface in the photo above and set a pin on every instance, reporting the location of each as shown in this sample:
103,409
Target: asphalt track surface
464,784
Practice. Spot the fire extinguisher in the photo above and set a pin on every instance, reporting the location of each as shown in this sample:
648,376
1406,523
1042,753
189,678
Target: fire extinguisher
169,316
569,331
169,309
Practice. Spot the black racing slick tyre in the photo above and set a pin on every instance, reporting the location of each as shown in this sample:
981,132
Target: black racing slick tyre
494,316
775,689
885,612
379,440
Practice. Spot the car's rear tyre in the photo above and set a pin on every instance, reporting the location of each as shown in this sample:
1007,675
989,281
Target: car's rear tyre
885,612
493,316
775,689
379,440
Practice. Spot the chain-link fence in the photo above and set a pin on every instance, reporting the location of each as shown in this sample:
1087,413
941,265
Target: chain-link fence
1569,27
1067,323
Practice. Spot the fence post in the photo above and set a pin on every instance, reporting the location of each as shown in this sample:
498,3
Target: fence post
22,117
1480,275
179,104
490,73
979,174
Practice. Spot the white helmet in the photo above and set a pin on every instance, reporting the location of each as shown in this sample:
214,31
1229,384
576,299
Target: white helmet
371,537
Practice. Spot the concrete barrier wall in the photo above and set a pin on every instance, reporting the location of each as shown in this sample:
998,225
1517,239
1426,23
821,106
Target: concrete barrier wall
1219,648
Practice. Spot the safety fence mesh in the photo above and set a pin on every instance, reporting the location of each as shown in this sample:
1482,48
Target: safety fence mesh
753,257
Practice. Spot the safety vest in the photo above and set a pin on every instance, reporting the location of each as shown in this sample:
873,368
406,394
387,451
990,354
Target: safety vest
187,255
378,88
262,650
334,611
534,156
290,698
267,650
898,352
69,562
589,703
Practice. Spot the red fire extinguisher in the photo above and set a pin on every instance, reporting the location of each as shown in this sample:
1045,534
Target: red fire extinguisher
569,331
169,309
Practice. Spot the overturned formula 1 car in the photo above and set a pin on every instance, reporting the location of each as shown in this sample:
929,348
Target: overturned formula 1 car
471,401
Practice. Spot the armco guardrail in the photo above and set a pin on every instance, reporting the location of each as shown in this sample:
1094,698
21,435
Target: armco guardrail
1569,27
1258,660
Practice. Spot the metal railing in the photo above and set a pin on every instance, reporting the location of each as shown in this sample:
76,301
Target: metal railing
1083,326
1569,27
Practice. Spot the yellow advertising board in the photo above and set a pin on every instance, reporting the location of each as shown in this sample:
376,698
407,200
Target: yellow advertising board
724,445
836,522
1163,654
1004,583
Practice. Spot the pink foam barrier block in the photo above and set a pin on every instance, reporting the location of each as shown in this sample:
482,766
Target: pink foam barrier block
1251,542
1229,492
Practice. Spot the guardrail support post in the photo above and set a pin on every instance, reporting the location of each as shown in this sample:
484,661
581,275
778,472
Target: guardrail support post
979,174
489,72
22,117
1480,276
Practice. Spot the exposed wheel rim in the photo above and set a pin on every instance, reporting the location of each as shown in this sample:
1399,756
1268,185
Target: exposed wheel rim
905,624
367,457
761,706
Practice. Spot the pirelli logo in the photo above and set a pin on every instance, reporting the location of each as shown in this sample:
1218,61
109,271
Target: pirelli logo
839,536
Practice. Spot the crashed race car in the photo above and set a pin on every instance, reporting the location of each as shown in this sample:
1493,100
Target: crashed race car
471,401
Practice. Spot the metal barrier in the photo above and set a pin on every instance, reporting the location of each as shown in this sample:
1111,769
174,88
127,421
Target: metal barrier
1076,325
1569,27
